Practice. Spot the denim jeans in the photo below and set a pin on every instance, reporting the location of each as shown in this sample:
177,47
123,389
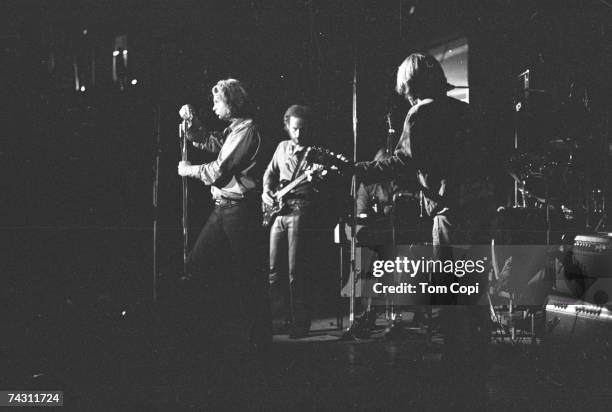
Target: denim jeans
290,260
233,236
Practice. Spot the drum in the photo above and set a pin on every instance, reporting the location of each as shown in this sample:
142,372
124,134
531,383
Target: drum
553,178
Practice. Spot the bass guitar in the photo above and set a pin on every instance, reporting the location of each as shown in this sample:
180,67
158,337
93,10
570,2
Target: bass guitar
279,206
318,161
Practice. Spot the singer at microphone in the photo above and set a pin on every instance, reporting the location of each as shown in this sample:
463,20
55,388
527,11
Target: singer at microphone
233,234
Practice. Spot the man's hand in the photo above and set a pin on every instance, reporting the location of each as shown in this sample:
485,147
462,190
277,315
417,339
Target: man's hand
186,112
268,197
186,169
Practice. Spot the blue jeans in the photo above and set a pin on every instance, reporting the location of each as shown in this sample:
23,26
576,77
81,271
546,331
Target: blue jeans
289,260
233,236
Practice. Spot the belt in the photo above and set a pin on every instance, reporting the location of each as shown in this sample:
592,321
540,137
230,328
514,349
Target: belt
299,202
223,202
294,196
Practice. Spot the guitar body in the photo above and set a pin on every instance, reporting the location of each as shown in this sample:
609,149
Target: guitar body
271,211
277,208
317,160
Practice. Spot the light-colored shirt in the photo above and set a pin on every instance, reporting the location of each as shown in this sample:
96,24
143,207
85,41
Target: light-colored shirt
236,172
282,167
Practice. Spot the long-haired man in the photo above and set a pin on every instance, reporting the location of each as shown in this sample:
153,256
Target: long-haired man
233,230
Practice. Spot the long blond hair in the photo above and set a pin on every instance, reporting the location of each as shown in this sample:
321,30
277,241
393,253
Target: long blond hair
420,76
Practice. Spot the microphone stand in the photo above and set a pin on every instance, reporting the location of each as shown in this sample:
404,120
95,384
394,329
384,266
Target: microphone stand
155,200
183,136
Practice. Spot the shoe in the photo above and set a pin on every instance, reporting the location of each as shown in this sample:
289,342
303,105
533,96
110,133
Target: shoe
358,330
395,331
362,326
370,319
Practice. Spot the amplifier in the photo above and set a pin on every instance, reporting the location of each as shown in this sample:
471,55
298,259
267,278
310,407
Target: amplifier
593,254
588,274
571,322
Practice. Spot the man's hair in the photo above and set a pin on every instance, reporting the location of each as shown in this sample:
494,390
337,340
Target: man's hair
421,76
297,110
235,96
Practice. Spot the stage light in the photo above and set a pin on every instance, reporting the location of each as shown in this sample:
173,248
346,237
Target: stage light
120,62
134,81
83,88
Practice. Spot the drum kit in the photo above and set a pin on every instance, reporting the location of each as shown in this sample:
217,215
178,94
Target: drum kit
562,178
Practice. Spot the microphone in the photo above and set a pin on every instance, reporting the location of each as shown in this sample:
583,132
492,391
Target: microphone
186,112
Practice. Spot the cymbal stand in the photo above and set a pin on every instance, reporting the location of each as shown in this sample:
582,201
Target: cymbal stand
520,104
599,208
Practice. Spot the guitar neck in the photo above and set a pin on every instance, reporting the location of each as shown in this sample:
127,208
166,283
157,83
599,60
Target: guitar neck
291,185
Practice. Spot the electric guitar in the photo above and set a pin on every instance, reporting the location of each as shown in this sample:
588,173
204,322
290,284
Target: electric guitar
319,161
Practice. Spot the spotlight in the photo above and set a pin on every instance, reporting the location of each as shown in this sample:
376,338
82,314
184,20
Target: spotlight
134,81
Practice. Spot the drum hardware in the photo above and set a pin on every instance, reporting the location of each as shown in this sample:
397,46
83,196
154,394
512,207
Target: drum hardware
558,179
565,144
596,209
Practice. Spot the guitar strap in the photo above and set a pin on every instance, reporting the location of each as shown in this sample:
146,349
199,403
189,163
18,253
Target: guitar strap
299,164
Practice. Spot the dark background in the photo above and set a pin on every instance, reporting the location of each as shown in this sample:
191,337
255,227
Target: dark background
77,168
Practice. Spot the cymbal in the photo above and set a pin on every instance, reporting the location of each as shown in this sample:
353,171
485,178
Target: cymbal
565,144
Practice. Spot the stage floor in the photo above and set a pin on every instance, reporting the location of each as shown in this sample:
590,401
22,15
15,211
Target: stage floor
158,365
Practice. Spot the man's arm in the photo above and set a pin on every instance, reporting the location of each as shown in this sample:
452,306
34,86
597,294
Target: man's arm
271,176
203,139
378,171
236,154
400,164
197,133
410,155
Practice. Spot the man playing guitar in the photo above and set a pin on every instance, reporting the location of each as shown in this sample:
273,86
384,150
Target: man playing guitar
289,230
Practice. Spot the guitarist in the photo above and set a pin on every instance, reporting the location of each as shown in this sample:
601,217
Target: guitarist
288,233
435,146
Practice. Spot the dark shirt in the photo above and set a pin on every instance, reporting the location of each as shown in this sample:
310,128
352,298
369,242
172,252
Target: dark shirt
430,147
379,194
236,172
